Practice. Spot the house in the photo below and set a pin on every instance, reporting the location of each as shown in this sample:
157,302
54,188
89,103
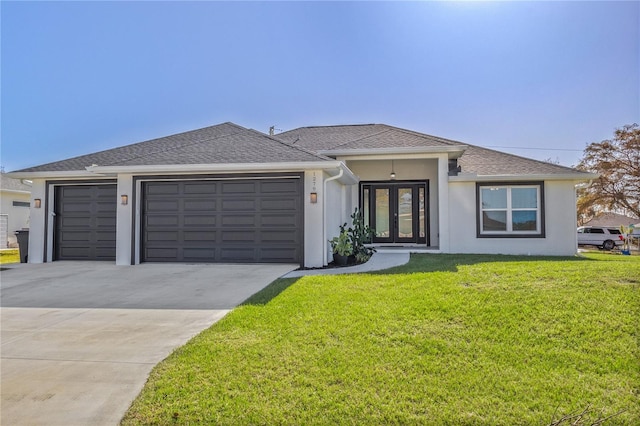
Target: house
229,194
610,219
15,198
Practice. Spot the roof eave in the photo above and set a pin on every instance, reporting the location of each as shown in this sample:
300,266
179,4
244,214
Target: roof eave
50,174
472,177
451,151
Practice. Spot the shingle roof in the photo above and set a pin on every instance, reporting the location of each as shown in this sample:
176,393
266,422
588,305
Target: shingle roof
612,219
475,159
9,184
228,143
359,136
225,143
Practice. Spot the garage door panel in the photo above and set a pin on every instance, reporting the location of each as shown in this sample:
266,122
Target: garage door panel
258,220
167,189
246,205
239,220
198,254
162,236
168,254
162,205
163,220
290,236
276,220
199,205
243,187
85,222
205,188
272,187
276,255
199,236
278,204
200,220
238,236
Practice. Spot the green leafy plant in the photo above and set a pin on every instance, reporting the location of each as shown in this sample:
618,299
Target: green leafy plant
360,235
341,244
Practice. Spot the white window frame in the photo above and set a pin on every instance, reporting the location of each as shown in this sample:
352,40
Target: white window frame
537,233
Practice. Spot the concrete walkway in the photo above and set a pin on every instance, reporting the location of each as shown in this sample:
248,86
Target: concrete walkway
379,261
79,339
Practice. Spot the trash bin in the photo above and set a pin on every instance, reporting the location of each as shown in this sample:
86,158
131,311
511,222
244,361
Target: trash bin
23,243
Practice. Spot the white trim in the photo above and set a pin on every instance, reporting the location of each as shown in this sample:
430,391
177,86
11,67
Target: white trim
451,150
52,175
578,177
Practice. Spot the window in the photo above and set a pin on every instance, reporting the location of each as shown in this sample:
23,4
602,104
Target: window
510,210
21,204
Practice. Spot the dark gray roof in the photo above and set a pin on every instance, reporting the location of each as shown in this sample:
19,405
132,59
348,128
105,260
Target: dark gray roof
228,143
9,184
478,160
360,136
225,143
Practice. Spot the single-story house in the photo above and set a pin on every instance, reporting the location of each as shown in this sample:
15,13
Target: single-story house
611,219
226,193
15,200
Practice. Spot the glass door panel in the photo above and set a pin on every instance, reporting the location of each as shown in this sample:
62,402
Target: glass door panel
404,213
382,223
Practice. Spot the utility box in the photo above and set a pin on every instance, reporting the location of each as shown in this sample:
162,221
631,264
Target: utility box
23,244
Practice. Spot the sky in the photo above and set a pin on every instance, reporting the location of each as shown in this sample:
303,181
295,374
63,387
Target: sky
536,79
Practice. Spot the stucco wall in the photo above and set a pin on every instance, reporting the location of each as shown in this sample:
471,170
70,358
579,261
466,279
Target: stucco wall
17,217
560,208
418,169
36,223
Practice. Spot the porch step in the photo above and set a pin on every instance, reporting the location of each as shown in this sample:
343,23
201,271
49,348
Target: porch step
406,249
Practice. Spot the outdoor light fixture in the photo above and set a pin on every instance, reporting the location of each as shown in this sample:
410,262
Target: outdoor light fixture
313,197
124,199
392,176
37,203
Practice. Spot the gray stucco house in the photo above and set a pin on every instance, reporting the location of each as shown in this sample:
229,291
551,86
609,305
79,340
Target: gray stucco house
226,193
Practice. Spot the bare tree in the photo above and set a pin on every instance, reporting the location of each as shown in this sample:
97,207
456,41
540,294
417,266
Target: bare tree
617,161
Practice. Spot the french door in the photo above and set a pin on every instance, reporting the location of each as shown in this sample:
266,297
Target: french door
396,211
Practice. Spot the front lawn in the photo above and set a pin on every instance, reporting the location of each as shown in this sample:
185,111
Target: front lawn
446,339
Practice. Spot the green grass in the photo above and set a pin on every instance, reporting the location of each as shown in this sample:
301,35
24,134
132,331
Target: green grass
444,340
9,256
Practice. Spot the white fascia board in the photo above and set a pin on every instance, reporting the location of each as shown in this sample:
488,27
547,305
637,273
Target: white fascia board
585,177
348,177
51,175
431,151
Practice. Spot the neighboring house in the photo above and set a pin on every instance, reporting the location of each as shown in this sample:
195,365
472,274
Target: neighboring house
610,219
15,196
229,194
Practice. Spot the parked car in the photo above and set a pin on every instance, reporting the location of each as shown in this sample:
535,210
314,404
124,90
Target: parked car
601,236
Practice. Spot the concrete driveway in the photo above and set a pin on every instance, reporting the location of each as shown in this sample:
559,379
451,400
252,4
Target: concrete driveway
79,339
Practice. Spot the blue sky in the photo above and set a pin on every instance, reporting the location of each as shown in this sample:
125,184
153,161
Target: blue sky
538,79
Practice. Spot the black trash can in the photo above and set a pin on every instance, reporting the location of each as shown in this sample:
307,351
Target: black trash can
23,243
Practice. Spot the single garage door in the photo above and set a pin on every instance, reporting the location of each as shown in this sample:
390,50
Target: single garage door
235,220
85,222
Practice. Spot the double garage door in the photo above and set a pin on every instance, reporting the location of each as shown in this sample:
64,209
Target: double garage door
230,220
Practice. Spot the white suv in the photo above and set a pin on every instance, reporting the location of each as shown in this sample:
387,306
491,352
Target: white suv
601,236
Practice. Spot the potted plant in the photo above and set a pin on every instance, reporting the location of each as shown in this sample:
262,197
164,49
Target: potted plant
341,247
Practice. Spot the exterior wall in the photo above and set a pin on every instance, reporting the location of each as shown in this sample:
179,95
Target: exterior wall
37,236
313,213
18,217
414,169
123,220
560,224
